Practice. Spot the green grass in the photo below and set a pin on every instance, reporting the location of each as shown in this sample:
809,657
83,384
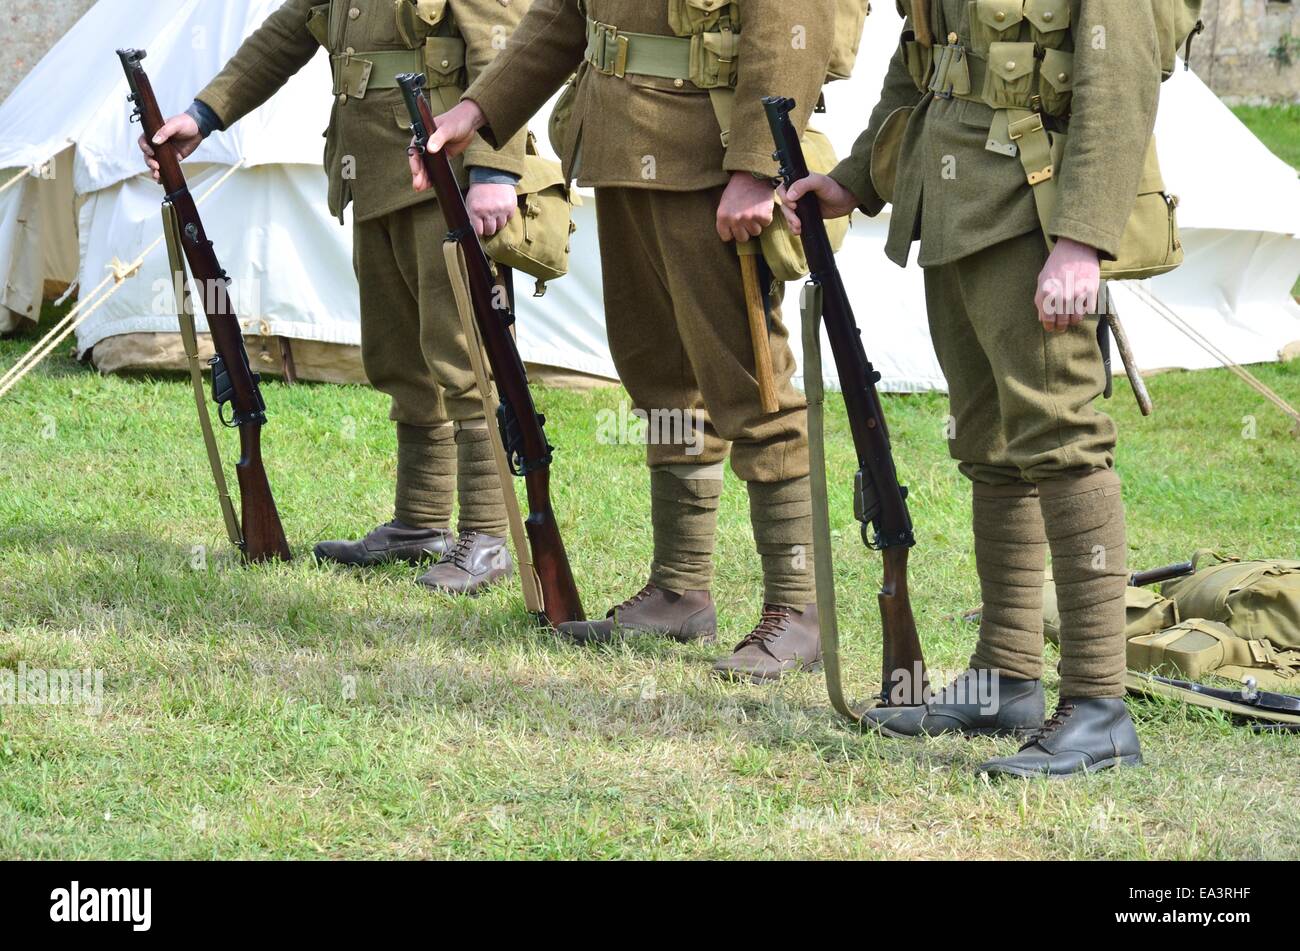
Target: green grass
1278,127
228,729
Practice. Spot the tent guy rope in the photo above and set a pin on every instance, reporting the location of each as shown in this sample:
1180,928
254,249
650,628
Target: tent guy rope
1184,327
119,273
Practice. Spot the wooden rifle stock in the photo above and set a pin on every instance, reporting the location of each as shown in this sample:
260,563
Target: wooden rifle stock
232,377
880,502
522,428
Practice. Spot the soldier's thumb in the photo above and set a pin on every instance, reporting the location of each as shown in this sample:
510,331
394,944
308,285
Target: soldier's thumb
166,131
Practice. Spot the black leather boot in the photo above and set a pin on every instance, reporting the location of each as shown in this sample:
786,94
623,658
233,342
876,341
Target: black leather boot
977,703
1082,736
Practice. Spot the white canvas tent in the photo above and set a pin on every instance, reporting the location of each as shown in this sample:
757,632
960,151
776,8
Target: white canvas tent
292,263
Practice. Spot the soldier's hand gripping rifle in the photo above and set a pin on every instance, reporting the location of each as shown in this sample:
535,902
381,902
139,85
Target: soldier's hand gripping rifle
233,381
880,502
522,428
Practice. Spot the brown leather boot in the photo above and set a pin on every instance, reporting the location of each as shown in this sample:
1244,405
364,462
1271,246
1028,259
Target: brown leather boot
685,617
785,641
393,541
474,563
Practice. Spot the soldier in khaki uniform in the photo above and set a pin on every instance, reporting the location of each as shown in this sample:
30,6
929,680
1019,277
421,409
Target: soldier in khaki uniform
1024,371
672,200
412,345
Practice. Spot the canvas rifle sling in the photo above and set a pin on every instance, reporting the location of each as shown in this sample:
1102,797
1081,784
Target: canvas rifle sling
823,561
190,340
528,580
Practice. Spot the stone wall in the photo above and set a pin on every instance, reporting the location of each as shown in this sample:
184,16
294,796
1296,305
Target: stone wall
1243,53
30,28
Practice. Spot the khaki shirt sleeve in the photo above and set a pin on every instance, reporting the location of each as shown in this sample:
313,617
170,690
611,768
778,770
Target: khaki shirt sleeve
785,50
854,172
1116,92
546,48
486,27
264,62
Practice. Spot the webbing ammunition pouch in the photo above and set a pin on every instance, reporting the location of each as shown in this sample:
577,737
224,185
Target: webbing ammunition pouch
1260,600
1019,61
537,239
433,48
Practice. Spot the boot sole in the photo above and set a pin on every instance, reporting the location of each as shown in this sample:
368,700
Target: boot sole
624,633
758,678
412,560
1114,762
984,731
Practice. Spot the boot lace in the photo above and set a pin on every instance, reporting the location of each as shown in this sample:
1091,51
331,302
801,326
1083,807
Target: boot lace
1054,723
637,598
770,626
459,554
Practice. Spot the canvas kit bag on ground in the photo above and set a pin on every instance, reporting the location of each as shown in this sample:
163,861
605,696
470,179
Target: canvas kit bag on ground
1231,619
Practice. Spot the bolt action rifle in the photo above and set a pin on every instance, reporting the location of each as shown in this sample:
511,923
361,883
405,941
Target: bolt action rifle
880,502
233,381
522,428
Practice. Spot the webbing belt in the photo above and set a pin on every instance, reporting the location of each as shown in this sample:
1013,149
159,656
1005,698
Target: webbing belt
355,74
617,53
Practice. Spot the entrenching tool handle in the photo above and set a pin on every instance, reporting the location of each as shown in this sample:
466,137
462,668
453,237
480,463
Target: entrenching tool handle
1130,363
757,311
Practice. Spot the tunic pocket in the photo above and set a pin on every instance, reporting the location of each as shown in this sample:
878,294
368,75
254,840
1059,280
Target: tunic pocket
1010,76
994,21
1049,22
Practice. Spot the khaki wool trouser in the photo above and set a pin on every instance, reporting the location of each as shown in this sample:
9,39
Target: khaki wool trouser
1022,399
678,332
412,345
1026,432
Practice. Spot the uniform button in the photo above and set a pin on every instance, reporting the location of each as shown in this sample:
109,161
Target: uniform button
1049,16
1063,77
1011,64
1000,16
679,83
351,51
353,13
343,97
952,39
446,63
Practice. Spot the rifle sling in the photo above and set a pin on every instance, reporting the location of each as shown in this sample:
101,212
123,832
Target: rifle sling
190,340
810,304
528,580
